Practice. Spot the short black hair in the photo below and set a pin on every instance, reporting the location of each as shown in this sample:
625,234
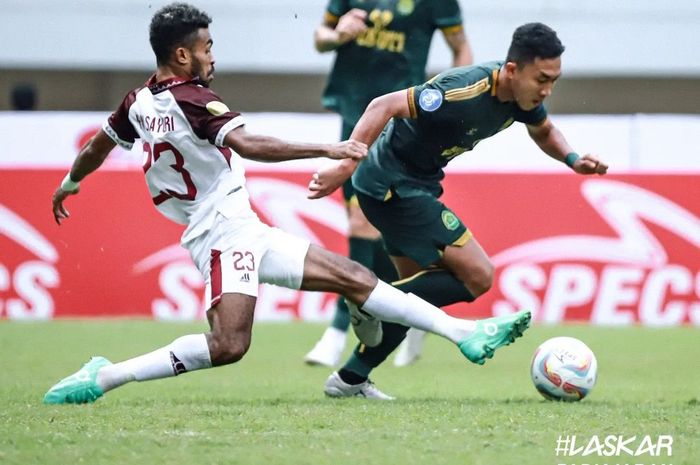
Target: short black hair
173,26
534,40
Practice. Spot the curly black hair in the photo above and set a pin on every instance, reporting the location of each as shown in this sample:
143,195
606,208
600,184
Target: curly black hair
534,40
173,26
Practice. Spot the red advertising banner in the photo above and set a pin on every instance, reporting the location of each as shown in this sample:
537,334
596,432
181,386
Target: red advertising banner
610,250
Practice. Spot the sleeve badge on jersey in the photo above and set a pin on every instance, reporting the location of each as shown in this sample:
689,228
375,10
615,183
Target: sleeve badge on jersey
217,108
430,99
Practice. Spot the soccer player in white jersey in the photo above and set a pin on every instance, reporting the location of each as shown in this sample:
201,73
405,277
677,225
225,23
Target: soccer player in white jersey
192,143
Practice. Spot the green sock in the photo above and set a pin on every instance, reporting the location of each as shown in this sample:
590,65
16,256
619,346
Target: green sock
362,251
439,287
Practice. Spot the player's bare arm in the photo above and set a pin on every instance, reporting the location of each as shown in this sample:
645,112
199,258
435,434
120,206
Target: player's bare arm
553,143
91,157
459,45
378,113
270,149
330,35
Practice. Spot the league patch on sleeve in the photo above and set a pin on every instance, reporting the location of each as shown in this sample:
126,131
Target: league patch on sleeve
430,99
217,108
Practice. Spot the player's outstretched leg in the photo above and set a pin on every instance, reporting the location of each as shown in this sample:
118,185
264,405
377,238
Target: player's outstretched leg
492,333
79,388
326,271
231,321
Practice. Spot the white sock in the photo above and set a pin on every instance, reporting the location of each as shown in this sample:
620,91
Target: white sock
388,303
186,353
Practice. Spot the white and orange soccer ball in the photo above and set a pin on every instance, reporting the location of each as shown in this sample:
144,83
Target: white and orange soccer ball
564,368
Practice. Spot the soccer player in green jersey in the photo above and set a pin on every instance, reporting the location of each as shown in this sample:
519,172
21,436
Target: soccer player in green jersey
381,46
413,134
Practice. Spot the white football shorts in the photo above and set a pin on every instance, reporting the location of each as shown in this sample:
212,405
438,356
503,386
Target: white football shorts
240,251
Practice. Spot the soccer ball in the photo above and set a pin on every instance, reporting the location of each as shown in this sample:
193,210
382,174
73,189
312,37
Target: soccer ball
564,368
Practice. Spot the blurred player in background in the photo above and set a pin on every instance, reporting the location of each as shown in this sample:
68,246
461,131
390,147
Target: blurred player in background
196,179
380,47
413,134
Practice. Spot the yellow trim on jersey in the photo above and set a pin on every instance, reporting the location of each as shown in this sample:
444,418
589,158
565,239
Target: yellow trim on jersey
468,92
362,348
451,29
494,86
432,79
388,195
410,278
352,202
330,19
466,237
411,102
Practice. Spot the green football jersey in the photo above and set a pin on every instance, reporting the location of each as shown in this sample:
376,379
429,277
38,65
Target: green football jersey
390,55
451,114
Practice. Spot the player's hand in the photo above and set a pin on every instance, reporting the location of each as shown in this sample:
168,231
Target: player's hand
351,25
326,180
588,164
348,149
59,211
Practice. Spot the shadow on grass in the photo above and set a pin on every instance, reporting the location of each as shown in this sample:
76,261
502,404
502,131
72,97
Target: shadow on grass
322,402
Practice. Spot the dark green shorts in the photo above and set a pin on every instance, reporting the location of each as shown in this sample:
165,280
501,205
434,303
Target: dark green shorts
416,227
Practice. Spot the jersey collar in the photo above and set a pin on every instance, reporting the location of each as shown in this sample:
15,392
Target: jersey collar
157,87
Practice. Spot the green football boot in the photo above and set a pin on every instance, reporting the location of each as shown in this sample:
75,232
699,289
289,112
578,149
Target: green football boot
492,333
80,387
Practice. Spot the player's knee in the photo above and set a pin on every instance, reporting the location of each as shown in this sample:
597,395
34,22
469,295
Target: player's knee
225,351
357,279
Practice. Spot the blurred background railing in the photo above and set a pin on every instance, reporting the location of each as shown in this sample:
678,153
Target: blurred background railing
622,57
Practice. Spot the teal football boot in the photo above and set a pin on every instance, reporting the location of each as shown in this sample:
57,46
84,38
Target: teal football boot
492,333
80,387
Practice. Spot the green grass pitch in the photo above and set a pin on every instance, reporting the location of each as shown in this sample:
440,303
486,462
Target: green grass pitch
270,409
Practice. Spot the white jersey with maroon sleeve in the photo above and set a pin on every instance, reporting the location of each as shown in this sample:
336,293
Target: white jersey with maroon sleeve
189,171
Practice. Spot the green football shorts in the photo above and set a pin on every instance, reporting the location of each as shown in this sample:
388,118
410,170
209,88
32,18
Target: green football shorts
416,227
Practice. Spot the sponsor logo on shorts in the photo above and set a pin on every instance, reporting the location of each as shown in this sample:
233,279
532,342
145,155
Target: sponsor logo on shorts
450,220
245,278
430,99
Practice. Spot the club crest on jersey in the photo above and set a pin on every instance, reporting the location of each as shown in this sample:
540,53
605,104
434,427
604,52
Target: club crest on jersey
430,99
217,108
449,219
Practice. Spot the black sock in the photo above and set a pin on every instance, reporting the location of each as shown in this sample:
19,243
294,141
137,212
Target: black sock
351,377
